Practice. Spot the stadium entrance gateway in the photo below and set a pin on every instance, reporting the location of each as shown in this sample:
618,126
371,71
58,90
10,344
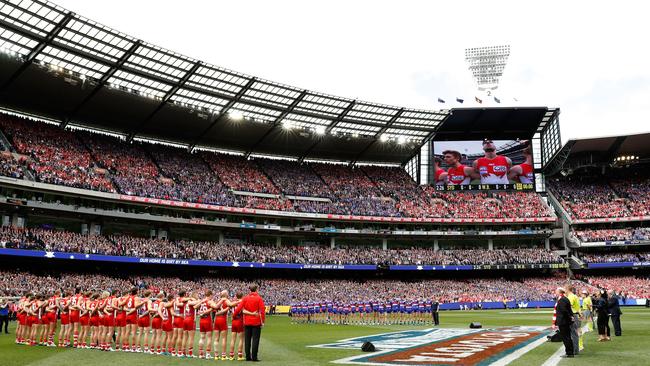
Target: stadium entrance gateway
445,346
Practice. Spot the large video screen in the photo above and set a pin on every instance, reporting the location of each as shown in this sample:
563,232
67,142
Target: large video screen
483,165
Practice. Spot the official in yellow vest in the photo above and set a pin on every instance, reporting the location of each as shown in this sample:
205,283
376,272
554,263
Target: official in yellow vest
575,327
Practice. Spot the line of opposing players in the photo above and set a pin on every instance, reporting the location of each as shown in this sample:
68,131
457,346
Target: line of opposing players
164,324
490,169
421,312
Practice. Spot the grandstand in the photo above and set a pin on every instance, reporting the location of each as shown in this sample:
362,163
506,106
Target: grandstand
207,178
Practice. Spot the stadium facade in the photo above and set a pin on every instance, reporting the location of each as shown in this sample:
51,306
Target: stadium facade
108,137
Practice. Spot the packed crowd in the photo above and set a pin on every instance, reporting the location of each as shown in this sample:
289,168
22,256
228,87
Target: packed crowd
637,192
600,235
616,257
475,205
287,291
355,191
629,287
295,179
239,173
123,245
10,167
604,197
110,164
57,156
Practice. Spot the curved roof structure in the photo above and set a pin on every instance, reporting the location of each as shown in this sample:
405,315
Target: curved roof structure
59,65
42,32
597,151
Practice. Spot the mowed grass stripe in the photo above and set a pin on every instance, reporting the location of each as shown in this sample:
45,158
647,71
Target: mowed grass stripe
284,343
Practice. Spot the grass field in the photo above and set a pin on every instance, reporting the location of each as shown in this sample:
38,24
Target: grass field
285,344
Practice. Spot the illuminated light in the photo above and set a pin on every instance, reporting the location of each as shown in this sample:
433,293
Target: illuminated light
355,135
320,130
287,125
383,138
236,115
401,140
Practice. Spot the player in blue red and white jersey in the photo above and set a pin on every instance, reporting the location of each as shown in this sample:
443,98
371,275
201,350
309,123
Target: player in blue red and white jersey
408,312
368,312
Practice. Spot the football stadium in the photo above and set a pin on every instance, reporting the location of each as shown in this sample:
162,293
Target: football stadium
161,210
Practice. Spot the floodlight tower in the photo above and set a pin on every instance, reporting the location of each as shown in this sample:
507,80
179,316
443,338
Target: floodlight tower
486,65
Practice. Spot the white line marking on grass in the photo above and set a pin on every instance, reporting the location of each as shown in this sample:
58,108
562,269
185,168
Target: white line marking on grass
518,353
526,312
555,358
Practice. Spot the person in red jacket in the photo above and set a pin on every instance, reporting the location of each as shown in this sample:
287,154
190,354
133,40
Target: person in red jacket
254,311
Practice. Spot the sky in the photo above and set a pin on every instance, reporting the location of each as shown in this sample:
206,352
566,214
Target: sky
589,58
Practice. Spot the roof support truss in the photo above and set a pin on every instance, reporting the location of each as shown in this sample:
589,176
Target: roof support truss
329,128
222,114
377,136
277,122
44,42
170,93
101,83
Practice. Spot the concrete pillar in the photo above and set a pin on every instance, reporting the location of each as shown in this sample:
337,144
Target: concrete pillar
332,243
95,229
84,229
278,241
547,244
384,244
221,238
436,246
162,234
17,221
6,220
490,244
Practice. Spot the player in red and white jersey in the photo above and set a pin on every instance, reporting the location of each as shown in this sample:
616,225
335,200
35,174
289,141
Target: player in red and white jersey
439,174
222,307
177,312
107,313
144,321
524,171
93,322
457,173
84,319
237,329
101,327
26,331
51,311
492,168
205,307
63,304
74,315
130,337
122,339
21,317
167,325
189,325
156,323
35,312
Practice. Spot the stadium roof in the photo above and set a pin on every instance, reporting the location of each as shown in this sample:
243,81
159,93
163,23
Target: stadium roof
60,65
600,150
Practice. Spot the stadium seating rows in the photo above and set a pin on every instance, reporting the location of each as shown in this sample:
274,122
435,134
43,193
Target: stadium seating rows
615,257
600,235
109,164
123,245
603,197
286,291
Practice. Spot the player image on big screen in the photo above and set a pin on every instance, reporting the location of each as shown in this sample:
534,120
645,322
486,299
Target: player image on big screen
483,165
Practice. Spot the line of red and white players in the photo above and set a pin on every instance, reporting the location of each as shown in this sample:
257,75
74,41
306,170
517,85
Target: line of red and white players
164,324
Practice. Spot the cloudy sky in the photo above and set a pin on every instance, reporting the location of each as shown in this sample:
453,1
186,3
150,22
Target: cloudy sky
590,58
